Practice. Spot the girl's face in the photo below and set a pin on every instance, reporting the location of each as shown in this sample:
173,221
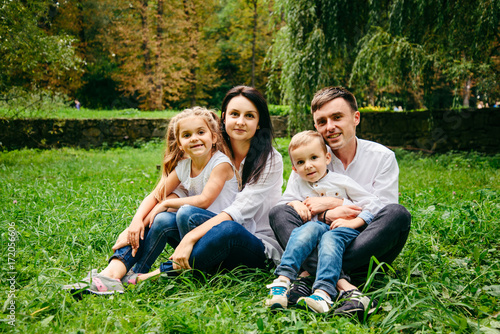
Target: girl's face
241,119
195,137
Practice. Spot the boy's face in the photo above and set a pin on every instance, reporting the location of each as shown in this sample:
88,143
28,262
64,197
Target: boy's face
310,161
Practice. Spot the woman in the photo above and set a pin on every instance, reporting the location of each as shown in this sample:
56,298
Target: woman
240,234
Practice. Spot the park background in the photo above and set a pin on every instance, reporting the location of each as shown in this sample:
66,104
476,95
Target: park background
149,59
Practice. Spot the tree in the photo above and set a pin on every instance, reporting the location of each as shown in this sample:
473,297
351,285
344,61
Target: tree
31,58
411,50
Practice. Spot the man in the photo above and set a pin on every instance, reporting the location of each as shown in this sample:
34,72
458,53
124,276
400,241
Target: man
375,168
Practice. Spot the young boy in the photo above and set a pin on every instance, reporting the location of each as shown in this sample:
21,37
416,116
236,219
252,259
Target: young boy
310,158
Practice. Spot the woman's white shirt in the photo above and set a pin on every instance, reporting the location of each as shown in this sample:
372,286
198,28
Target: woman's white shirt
252,205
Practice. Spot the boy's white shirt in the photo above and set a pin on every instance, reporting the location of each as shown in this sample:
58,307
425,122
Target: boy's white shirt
333,185
374,168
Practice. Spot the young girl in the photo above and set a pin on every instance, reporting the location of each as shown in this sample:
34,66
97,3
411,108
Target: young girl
193,159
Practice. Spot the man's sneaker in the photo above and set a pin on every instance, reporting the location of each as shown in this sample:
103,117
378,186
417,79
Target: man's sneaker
278,294
355,303
83,284
318,302
102,285
301,287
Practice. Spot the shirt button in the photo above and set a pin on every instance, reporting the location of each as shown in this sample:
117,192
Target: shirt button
322,194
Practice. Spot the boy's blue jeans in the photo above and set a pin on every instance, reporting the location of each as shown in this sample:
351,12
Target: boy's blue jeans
226,245
331,245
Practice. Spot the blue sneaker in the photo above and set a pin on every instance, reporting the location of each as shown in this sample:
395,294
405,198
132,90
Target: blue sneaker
278,294
318,302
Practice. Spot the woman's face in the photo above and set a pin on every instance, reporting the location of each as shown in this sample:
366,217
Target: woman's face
241,119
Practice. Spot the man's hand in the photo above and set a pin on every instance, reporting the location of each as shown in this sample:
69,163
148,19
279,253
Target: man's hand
342,212
302,210
320,204
350,223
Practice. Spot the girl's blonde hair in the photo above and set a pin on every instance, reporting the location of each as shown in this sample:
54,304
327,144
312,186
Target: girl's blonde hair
173,153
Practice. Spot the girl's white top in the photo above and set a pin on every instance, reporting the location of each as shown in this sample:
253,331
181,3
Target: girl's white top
194,185
252,205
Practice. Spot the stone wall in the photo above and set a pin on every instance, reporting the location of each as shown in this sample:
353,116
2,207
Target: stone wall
433,131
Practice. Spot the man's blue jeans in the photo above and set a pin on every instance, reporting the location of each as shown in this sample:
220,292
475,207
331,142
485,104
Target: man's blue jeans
331,245
164,230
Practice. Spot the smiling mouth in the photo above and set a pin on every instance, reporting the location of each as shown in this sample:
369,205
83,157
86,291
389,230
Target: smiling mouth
335,135
196,146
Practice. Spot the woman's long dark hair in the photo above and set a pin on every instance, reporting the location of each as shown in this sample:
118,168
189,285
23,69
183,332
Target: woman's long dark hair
261,147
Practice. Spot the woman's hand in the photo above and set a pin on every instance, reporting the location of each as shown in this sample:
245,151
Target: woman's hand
122,240
302,210
180,258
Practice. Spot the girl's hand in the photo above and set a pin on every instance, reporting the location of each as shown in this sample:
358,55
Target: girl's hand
302,210
160,207
122,240
135,232
181,255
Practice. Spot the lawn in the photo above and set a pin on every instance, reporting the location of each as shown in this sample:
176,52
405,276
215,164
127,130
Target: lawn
67,206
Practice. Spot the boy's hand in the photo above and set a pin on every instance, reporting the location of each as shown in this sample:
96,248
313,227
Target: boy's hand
350,223
302,210
320,204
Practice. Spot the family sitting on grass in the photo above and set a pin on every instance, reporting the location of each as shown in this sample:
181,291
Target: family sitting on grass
219,205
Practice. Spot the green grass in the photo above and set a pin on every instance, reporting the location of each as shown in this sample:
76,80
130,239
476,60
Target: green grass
69,205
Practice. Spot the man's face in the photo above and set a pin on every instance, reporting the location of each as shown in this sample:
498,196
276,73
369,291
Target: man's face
336,122
310,160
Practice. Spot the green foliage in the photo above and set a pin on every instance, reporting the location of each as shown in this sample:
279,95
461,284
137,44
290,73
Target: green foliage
68,206
437,54
30,57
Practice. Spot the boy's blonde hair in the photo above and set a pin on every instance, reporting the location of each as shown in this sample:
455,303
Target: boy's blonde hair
303,138
173,153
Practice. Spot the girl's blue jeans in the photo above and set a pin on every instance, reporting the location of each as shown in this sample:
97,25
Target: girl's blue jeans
331,245
225,246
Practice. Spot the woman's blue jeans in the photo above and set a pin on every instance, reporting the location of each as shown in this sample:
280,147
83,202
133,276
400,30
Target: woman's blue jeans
225,246
164,230
331,245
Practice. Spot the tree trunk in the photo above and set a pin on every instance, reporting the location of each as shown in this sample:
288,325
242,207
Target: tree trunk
254,40
158,68
467,92
193,41
146,53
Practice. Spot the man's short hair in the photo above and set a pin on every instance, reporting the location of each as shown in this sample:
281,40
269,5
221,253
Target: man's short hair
328,94
303,138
